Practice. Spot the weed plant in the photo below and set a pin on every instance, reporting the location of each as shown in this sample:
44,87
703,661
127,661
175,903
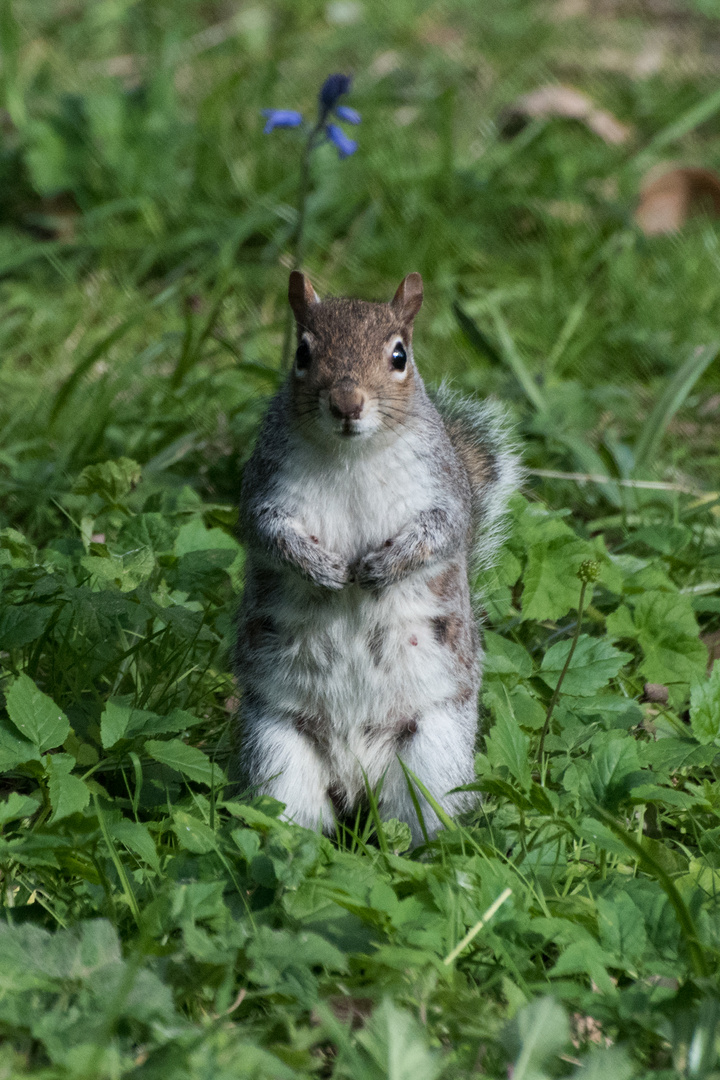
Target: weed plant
156,924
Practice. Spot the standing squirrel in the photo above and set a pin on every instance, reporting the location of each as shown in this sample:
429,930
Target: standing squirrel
364,508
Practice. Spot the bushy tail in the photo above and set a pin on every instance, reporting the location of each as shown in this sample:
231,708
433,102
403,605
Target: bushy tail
481,434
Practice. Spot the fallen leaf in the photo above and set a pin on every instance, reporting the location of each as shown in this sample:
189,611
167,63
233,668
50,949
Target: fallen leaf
712,641
669,198
655,692
566,102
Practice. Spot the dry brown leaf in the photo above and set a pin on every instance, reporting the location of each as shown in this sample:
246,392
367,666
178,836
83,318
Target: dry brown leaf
670,197
712,642
656,692
564,101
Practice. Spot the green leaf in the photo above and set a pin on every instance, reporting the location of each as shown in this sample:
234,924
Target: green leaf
607,1062
21,624
194,536
664,626
120,721
36,715
505,657
193,834
14,751
705,708
551,588
507,747
613,770
18,806
124,572
136,836
543,1031
113,723
397,1044
622,929
585,956
187,760
112,480
595,661
68,794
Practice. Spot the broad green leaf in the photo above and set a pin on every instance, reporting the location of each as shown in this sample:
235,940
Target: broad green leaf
15,549
18,806
505,657
152,530
113,723
551,587
585,956
705,708
613,770
194,536
594,662
606,1063
68,794
543,1031
622,929
664,625
187,760
136,836
21,624
36,715
112,480
13,750
594,832
193,834
398,1045
507,747
120,721
124,572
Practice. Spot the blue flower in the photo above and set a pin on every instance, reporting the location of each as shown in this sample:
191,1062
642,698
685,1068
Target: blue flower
334,87
285,118
345,145
332,90
349,115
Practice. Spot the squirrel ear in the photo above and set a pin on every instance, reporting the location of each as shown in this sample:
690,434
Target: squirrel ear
407,301
301,294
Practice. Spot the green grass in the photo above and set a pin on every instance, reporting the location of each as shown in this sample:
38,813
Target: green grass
151,925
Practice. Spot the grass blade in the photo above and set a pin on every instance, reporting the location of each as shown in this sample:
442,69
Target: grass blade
515,362
507,354
686,123
670,401
442,814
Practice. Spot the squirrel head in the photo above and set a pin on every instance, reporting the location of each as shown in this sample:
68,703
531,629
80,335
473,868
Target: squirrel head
353,374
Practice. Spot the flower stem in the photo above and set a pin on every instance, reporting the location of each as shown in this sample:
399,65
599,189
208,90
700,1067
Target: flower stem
298,233
556,692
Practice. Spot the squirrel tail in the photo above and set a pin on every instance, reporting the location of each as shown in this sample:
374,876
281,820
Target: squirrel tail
481,434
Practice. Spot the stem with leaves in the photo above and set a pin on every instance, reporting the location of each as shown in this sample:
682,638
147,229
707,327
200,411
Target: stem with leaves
588,573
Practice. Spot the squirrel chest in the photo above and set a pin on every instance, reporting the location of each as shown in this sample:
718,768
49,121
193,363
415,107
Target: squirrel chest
358,656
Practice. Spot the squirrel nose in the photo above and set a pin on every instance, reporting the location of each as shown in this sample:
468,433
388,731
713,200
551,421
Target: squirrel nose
346,401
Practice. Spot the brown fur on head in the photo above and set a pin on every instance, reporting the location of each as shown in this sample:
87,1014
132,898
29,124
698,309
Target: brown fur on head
348,369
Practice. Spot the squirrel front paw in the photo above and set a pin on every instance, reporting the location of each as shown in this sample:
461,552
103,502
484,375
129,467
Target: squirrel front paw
376,569
329,570
324,567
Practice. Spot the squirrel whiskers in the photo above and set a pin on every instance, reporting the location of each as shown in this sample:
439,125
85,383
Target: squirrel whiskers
365,506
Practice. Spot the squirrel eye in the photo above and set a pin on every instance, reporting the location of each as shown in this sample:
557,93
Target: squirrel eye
302,356
399,357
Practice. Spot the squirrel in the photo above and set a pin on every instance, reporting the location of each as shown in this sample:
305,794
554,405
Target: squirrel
365,508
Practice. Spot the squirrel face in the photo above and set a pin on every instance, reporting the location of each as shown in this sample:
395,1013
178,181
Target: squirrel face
353,374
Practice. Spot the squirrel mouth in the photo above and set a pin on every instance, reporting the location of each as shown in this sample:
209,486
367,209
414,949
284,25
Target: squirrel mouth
349,428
